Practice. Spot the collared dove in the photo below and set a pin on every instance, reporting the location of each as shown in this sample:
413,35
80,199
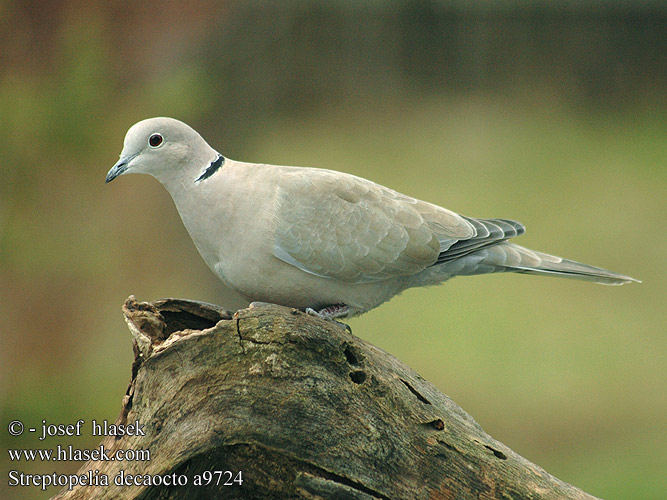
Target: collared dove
320,240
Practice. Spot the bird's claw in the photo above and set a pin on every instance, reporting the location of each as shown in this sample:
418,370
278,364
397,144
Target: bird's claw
330,313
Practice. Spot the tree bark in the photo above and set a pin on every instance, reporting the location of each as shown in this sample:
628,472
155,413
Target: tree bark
302,408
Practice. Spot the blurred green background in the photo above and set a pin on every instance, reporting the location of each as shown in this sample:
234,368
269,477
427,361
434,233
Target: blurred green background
551,113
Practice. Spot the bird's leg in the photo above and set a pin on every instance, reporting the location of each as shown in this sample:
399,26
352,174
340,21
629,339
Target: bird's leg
331,313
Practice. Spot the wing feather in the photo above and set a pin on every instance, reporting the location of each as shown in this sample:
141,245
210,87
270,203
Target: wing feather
350,229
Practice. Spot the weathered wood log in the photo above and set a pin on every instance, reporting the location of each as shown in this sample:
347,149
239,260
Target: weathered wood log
302,408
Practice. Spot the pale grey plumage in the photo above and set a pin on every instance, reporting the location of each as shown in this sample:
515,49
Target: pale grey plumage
313,238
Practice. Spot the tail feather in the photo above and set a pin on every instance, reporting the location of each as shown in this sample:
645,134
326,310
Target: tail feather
523,260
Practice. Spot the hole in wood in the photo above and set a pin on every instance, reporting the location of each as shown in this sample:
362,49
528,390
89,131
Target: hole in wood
351,358
497,453
438,424
415,392
358,377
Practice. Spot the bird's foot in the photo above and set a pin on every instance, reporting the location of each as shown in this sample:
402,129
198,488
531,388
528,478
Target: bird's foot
331,313
259,304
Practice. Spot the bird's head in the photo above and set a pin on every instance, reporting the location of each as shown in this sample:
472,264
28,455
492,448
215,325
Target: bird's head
164,148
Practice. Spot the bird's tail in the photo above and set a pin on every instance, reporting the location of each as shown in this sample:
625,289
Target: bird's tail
515,258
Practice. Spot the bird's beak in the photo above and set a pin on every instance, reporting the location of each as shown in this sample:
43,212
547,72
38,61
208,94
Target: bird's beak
119,168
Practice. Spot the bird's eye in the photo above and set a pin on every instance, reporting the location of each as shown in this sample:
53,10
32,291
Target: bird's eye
155,140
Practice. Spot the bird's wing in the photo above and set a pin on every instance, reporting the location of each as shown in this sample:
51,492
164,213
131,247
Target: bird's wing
488,232
350,229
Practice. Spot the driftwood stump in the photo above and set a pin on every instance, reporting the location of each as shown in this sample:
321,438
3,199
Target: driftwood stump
302,408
